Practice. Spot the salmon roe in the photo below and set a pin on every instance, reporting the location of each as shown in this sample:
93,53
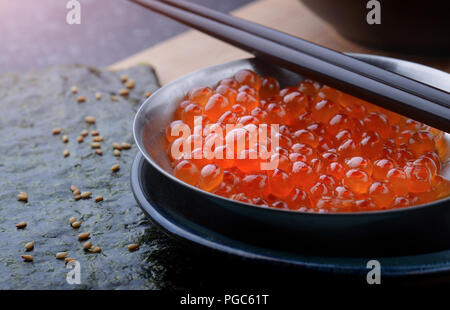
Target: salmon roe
307,148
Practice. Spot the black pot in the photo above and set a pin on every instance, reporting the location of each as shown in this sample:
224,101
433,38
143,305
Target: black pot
412,26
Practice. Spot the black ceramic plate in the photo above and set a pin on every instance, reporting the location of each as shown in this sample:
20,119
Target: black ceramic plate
153,198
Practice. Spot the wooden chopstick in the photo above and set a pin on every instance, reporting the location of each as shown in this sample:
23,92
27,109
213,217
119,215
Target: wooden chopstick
412,86
379,93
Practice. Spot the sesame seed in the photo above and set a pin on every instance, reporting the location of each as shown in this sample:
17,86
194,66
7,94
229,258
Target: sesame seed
80,139
123,78
96,145
77,197
65,138
126,146
66,153
98,198
84,133
81,99
117,146
27,258
76,192
90,119
148,94
73,188
95,249
72,220
87,245
116,153
21,225
115,168
99,152
76,224
29,246
69,259
95,133
133,247
83,236
98,96
56,131
74,89
130,84
22,196
86,195
61,255
97,139
124,92
114,98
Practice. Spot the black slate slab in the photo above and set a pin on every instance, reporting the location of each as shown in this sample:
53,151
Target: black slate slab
31,160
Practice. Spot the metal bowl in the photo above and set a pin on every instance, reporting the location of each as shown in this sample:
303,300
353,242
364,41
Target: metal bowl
409,230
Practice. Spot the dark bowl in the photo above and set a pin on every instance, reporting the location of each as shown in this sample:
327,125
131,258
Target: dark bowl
409,26
403,231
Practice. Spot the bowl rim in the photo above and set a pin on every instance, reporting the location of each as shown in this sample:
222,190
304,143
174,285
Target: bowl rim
363,57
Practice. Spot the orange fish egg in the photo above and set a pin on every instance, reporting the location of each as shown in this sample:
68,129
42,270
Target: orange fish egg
187,172
306,148
269,87
200,95
210,177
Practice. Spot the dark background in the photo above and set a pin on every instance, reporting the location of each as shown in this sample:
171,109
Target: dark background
34,33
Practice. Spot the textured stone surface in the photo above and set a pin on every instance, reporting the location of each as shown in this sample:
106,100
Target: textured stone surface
31,160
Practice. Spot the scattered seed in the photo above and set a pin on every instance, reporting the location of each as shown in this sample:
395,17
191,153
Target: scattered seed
130,84
65,138
76,224
72,220
69,259
124,92
99,152
90,119
81,99
61,255
73,188
77,197
96,145
27,258
124,78
80,139
56,131
87,245
115,168
117,146
98,198
95,133
74,89
116,153
133,247
29,246
148,94
114,98
95,249
66,153
21,225
97,139
83,236
98,96
126,146
86,195
23,196
84,133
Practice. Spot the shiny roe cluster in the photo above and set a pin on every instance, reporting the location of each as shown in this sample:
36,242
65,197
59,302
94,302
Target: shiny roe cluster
335,152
